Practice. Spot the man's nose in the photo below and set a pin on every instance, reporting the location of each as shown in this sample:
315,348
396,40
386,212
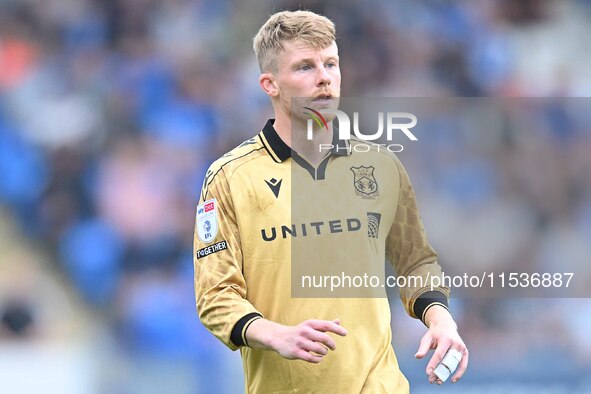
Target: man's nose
324,77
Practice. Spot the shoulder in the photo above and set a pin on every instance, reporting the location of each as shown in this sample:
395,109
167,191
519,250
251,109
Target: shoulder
225,166
243,153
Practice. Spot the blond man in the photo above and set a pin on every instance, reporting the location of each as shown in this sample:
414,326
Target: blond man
245,235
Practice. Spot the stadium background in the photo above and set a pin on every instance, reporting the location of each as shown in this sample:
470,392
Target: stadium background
110,112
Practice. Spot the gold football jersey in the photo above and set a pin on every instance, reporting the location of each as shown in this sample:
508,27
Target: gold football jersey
272,234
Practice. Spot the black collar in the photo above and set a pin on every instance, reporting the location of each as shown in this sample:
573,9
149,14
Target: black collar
281,152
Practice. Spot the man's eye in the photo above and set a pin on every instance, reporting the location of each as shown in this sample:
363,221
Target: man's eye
305,67
331,64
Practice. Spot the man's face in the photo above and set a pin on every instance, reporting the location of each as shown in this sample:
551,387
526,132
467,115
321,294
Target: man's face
307,72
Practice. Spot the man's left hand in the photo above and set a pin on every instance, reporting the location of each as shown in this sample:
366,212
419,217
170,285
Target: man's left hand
442,336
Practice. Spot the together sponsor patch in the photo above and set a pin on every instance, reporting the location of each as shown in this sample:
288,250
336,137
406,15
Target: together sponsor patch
219,246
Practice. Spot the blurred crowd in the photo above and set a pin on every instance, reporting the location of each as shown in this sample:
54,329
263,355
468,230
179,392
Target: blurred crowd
111,111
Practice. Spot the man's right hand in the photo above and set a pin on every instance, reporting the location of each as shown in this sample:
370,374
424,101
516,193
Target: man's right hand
308,341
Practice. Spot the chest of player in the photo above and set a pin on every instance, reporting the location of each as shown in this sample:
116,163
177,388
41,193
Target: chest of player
279,202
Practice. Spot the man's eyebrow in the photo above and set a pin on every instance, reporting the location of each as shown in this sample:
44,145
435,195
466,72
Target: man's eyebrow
311,60
304,60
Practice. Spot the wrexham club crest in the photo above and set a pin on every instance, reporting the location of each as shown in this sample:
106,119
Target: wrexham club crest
365,183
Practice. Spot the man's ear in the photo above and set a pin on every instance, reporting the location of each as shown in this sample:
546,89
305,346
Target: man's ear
269,84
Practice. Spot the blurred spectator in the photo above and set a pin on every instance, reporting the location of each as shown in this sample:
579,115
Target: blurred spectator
17,318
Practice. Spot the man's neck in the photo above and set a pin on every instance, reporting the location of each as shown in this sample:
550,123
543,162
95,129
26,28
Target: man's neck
294,134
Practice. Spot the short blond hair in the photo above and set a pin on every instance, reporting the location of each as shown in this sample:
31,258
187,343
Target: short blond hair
316,30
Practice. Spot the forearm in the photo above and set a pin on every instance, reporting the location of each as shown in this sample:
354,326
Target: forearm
308,341
438,314
260,334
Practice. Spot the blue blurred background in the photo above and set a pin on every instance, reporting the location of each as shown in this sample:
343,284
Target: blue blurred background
111,110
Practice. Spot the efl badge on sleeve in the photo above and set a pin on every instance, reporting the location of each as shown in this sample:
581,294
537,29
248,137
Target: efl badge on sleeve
207,221
365,184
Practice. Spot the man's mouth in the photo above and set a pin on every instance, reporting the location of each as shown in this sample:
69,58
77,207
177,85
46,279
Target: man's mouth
323,97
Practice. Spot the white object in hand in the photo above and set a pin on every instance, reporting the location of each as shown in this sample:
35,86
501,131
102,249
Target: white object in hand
448,365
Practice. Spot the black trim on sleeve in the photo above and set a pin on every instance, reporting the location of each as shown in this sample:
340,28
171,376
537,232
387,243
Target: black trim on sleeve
426,301
246,329
236,335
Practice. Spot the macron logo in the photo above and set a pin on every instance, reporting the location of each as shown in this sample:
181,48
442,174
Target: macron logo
274,185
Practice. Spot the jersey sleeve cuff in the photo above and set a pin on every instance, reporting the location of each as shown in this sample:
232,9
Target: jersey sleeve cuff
426,300
238,335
